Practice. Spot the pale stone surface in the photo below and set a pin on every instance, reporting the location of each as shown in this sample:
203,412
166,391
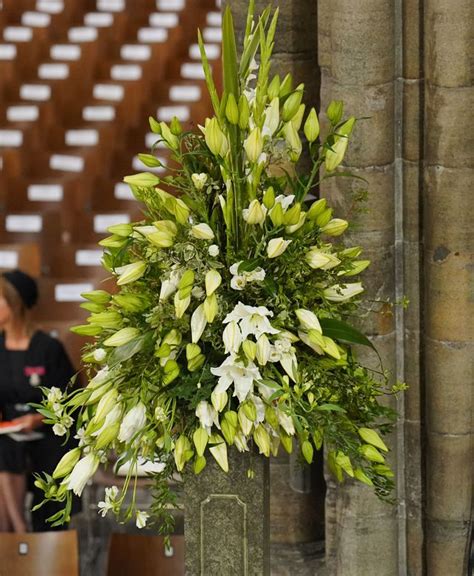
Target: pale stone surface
226,521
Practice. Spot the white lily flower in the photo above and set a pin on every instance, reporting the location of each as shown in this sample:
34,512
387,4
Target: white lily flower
232,337
240,442
235,372
198,323
338,293
81,473
285,201
252,319
272,118
255,213
207,415
276,247
141,519
133,422
286,422
238,282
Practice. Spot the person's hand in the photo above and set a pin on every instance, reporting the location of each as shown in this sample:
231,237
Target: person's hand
29,422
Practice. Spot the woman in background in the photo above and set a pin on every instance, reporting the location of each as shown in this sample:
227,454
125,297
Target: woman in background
29,359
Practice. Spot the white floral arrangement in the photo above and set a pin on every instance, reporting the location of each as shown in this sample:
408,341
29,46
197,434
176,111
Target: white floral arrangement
230,324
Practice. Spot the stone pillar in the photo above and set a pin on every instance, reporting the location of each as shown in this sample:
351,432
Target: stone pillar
448,265
226,522
412,175
356,56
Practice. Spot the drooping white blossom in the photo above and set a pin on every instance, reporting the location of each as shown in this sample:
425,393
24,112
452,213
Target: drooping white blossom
233,371
133,422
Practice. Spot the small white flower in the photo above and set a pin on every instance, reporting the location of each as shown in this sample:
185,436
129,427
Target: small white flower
213,250
257,275
233,371
199,180
252,320
99,354
285,201
81,436
57,408
59,429
54,395
142,518
132,423
238,282
207,415
109,502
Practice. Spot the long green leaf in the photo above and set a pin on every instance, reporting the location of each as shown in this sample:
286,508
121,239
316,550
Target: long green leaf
229,55
208,75
339,330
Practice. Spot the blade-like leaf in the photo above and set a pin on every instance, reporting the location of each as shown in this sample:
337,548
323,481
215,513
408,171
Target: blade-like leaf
208,75
339,330
229,55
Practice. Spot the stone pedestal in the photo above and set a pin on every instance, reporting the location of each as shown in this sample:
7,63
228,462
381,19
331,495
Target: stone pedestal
226,523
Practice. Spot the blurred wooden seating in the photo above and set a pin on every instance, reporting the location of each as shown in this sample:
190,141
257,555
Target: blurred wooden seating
132,554
39,554
27,257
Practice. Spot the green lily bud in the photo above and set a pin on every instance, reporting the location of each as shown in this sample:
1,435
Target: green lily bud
122,337
293,140
97,296
142,180
316,338
371,437
131,302
262,440
307,451
200,438
149,160
228,431
210,308
250,349
292,215
105,405
291,105
182,452
330,347
357,267
335,227
273,89
186,280
170,139
173,337
175,126
311,126
269,198
196,363
65,465
214,136
161,239
334,111
41,484
110,319
371,453
181,304
121,229
249,410
286,86
131,272
219,453
113,242
286,441
253,145
384,470
232,110
323,218
92,307
154,125
192,350
352,252
317,208
107,436
345,463
271,417
163,351
219,400
298,117
202,232
277,215
171,372
213,281
232,418
244,422
360,475
335,156
244,112
86,330
199,464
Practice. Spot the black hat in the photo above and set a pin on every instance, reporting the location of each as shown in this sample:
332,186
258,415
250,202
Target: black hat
25,286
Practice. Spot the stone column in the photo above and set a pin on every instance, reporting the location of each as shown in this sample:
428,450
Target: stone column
356,56
448,235
226,521
412,175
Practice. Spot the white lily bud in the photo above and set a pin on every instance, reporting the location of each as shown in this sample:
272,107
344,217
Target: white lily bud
336,155
272,117
130,272
122,337
311,126
198,323
213,281
81,473
263,349
202,232
276,247
214,136
219,452
308,320
293,140
253,145
219,400
255,213
232,337
67,463
317,259
338,293
210,308
335,227
105,405
133,422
